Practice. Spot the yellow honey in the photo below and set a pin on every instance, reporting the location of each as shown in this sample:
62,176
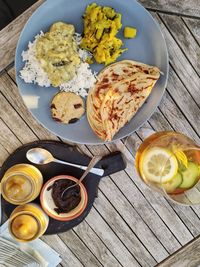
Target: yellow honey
28,222
21,184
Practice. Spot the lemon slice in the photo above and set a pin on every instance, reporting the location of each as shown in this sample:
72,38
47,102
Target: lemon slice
158,165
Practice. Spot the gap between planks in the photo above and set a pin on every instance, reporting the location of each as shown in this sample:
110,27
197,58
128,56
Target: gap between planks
22,142
183,38
180,63
179,7
24,128
187,256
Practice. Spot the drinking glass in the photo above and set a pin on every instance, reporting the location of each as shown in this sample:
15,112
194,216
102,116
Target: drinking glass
169,163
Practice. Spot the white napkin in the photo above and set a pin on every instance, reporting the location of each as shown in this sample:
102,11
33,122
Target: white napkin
37,248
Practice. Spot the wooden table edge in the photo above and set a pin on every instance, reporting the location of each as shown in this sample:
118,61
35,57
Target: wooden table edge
187,252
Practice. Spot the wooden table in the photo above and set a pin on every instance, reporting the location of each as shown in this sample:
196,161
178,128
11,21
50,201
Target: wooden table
128,225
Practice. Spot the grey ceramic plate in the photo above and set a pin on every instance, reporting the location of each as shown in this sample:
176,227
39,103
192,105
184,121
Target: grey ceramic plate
148,47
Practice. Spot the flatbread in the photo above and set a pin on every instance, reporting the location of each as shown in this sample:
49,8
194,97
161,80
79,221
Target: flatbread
120,91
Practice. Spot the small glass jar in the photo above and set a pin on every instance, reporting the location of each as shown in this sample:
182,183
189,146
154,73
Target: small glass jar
21,184
28,222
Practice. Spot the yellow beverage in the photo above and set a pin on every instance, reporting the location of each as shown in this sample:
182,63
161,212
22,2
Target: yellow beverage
21,184
28,222
169,161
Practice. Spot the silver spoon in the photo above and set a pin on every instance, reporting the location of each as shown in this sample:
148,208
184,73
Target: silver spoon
42,156
92,163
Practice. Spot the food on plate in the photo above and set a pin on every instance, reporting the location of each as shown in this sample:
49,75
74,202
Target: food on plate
130,32
101,24
63,208
64,205
51,60
28,222
67,107
120,91
21,183
57,53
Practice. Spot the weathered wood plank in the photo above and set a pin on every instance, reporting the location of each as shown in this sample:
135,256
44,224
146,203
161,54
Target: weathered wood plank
196,209
188,216
95,244
127,202
184,7
158,202
180,63
146,214
176,118
111,240
124,182
22,128
16,101
10,35
79,248
194,26
3,152
14,122
188,256
184,39
7,139
160,124
68,258
133,215
11,73
127,236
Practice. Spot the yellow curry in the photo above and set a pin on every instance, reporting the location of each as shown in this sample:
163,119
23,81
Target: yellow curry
101,24
57,53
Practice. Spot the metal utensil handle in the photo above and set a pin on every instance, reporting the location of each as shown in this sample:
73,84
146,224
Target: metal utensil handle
97,171
88,168
92,163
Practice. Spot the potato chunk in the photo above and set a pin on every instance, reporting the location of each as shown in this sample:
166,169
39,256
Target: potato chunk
130,32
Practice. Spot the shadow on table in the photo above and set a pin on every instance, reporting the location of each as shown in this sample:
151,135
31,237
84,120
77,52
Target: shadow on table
10,9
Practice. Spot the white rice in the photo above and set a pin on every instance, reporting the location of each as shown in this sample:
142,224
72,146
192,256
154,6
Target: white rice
33,72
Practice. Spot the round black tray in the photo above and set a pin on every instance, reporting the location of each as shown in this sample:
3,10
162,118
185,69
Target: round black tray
112,163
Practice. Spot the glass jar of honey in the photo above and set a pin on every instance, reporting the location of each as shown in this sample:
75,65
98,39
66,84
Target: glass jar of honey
28,222
21,184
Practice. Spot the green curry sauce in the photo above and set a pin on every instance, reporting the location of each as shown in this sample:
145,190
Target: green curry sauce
57,53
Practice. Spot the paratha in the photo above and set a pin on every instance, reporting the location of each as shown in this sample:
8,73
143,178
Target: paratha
120,91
